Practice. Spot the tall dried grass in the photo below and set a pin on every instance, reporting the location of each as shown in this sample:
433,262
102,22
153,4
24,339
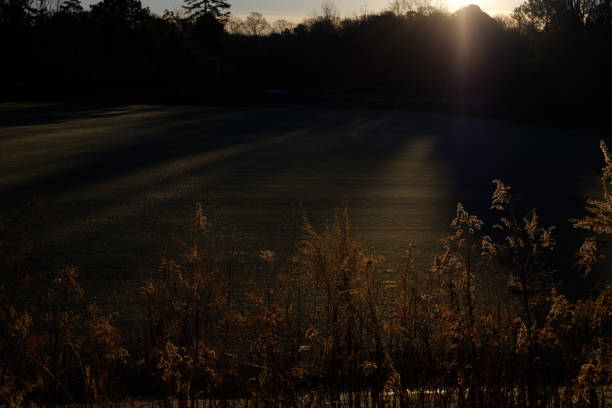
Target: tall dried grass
324,328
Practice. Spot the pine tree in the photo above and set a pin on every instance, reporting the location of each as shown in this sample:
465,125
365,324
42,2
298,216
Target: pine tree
119,13
218,9
71,6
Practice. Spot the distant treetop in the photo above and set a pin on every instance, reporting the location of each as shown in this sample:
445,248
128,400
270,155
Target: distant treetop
119,13
219,9
71,6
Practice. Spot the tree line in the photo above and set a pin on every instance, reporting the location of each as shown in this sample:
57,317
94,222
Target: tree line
550,58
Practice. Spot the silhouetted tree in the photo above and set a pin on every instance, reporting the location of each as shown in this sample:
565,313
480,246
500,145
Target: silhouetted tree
329,12
208,30
282,26
547,15
119,13
234,25
256,24
405,7
71,6
218,9
600,15
15,12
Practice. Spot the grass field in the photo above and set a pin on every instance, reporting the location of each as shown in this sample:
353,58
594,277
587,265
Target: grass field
118,181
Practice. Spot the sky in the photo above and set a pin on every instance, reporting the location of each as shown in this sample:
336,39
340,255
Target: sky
297,10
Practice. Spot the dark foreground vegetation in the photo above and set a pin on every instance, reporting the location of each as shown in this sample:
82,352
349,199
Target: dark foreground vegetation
550,60
486,325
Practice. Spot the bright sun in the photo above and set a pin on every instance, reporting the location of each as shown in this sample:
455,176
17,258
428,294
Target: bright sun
454,5
492,7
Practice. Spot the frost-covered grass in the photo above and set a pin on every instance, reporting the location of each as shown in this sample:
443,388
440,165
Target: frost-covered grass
304,314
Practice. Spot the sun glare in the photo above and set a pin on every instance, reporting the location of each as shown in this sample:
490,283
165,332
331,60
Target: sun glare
454,5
